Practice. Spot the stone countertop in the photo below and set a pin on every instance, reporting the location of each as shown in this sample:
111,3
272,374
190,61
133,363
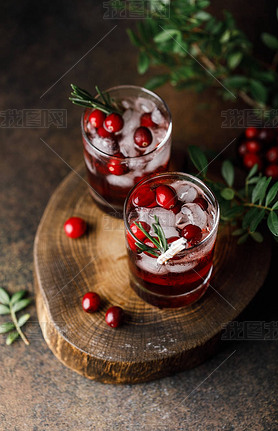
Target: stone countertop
40,44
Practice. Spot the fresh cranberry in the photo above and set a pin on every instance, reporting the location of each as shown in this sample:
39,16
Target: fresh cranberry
202,203
192,233
114,316
142,137
251,159
144,197
272,171
103,133
150,244
137,232
272,155
146,120
114,123
176,209
91,302
266,135
253,146
251,132
97,118
166,196
172,239
117,167
75,227
242,149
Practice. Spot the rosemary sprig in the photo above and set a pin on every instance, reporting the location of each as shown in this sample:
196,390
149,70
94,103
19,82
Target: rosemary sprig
12,306
160,244
83,98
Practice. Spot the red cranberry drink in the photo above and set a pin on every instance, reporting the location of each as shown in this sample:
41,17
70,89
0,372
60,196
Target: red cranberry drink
125,144
171,223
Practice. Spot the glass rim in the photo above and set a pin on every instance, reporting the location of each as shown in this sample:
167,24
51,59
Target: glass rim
160,145
169,174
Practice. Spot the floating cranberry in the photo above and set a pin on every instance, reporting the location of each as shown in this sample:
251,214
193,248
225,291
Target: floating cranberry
146,120
142,137
253,146
144,197
192,233
117,167
114,123
272,155
137,232
202,203
97,118
166,196
176,209
90,302
103,133
251,159
251,132
242,149
272,171
172,239
150,244
114,316
75,227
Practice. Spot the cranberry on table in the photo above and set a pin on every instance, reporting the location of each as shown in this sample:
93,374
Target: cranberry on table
75,227
272,155
253,146
192,233
272,171
91,302
103,133
251,132
97,118
114,123
117,167
146,120
166,196
251,159
202,203
114,316
144,196
142,137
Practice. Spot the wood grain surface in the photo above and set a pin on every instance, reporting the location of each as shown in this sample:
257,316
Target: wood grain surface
151,343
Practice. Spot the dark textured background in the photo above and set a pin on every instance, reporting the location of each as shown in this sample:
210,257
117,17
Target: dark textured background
41,41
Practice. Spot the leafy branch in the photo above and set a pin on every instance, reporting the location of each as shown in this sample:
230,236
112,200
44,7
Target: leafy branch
11,305
161,244
103,103
198,51
249,206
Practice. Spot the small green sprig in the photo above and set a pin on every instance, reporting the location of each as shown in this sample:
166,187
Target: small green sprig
103,103
249,206
11,305
161,244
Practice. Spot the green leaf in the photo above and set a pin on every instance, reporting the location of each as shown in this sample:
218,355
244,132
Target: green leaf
270,41
225,36
228,172
156,81
4,310
23,319
234,59
168,34
272,223
12,337
258,91
6,327
271,194
160,233
4,296
198,159
227,194
238,232
275,206
257,236
21,304
252,171
256,220
236,81
143,63
258,193
17,296
133,38
202,15
247,219
144,247
253,180
242,239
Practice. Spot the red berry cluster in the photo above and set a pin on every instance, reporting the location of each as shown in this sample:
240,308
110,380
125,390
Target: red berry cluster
260,146
162,196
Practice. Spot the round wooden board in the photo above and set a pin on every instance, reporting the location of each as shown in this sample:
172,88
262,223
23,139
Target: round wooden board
151,343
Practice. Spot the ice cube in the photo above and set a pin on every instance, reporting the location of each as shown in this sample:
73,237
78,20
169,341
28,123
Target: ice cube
121,180
150,264
157,116
144,105
186,192
166,218
191,214
126,103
